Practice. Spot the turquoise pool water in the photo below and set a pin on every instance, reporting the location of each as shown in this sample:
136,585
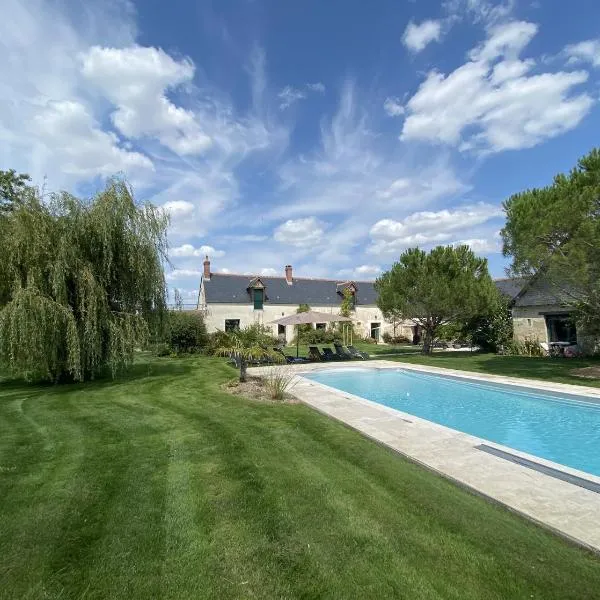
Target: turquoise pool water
563,429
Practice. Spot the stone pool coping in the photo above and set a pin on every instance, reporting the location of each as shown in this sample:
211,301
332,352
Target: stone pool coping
569,510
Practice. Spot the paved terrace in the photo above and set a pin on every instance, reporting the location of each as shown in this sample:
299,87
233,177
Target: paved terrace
567,509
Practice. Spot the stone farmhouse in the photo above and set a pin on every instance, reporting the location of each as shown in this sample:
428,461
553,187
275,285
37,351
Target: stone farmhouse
230,301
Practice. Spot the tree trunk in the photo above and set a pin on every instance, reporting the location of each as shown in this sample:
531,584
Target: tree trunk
427,341
243,366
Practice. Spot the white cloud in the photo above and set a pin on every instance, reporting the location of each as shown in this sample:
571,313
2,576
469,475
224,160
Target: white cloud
290,95
350,172
584,52
425,228
488,12
178,209
481,246
269,272
368,271
316,87
183,274
300,232
393,107
491,103
188,250
417,37
136,80
77,141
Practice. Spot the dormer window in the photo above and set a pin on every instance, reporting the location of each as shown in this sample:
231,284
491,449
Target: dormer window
259,298
257,293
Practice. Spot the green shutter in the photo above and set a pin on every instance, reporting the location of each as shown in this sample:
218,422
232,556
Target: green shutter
258,299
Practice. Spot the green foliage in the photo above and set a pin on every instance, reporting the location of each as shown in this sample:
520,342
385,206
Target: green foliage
492,332
301,330
13,187
319,336
555,231
396,340
187,332
445,285
81,283
347,304
526,347
252,343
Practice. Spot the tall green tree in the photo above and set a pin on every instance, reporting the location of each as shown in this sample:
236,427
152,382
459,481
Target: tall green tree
81,283
555,232
13,186
446,285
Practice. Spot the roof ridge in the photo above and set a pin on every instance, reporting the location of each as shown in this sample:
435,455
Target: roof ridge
295,277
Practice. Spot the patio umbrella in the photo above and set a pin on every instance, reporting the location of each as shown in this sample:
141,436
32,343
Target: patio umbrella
305,318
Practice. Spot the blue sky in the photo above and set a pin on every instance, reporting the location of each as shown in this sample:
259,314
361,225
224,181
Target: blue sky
328,135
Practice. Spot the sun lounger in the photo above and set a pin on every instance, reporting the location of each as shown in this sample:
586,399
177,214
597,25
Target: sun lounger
355,353
315,354
342,352
290,360
329,354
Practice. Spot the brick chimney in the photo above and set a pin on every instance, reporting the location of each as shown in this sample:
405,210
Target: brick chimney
288,274
207,268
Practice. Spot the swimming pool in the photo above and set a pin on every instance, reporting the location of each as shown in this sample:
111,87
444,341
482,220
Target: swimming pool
560,428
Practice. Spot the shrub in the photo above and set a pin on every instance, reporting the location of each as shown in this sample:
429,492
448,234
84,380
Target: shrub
319,336
491,332
526,347
278,381
388,338
187,332
162,350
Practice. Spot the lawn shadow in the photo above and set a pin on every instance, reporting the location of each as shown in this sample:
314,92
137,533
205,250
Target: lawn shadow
516,366
152,367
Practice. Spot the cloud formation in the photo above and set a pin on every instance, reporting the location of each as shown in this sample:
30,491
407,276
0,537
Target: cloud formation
417,36
427,228
492,103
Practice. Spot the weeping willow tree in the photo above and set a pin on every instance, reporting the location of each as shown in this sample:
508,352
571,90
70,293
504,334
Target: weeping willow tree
81,283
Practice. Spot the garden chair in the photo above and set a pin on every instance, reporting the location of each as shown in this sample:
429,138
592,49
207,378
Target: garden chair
329,354
355,353
315,354
341,351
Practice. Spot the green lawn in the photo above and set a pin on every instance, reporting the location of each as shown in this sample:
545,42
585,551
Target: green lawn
548,369
161,485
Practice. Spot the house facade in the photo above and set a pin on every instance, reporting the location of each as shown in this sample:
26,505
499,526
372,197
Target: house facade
541,311
235,300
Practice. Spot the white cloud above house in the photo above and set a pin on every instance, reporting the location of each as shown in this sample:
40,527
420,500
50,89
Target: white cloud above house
494,102
361,272
188,251
426,228
417,37
228,156
300,232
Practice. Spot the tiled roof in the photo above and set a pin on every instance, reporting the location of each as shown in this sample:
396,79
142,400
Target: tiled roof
541,292
233,289
510,287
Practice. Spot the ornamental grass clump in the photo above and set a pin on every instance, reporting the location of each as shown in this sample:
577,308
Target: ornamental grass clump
278,381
